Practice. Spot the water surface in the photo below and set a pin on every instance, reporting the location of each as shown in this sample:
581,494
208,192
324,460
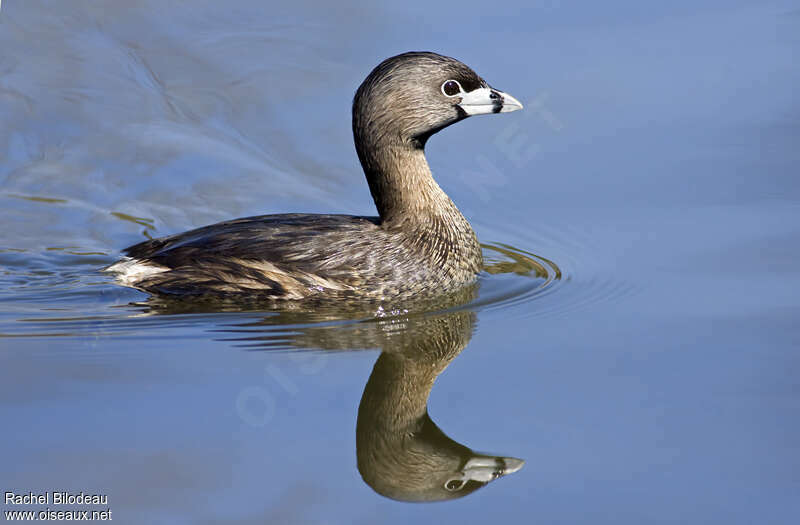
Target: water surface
635,336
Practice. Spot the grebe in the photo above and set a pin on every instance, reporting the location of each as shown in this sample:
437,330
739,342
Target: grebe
420,244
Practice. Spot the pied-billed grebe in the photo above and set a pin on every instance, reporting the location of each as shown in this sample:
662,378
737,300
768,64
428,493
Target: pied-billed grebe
420,244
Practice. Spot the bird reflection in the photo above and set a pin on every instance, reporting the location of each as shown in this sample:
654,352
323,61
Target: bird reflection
401,453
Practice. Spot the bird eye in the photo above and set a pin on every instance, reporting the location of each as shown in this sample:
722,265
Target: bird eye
451,88
454,484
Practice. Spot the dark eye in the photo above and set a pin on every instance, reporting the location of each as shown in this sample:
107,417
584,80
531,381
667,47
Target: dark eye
451,87
453,484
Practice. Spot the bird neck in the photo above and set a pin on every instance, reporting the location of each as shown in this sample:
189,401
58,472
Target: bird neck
396,396
402,184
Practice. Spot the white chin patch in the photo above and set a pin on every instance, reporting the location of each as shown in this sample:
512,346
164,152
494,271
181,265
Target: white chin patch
132,271
487,100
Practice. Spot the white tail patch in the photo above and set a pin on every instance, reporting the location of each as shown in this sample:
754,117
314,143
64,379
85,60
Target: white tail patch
131,271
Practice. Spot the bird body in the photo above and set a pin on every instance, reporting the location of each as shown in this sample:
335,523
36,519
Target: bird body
294,256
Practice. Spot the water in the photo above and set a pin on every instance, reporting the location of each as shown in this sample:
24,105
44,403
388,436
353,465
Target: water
635,343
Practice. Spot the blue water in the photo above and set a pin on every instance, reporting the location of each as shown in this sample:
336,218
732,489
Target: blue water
652,379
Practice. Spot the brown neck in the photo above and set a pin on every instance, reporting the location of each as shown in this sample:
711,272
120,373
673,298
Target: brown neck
396,396
402,184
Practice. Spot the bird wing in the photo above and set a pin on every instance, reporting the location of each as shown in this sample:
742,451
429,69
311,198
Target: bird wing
277,255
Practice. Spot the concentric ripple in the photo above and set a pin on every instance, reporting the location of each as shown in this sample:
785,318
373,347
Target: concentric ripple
519,283
513,276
